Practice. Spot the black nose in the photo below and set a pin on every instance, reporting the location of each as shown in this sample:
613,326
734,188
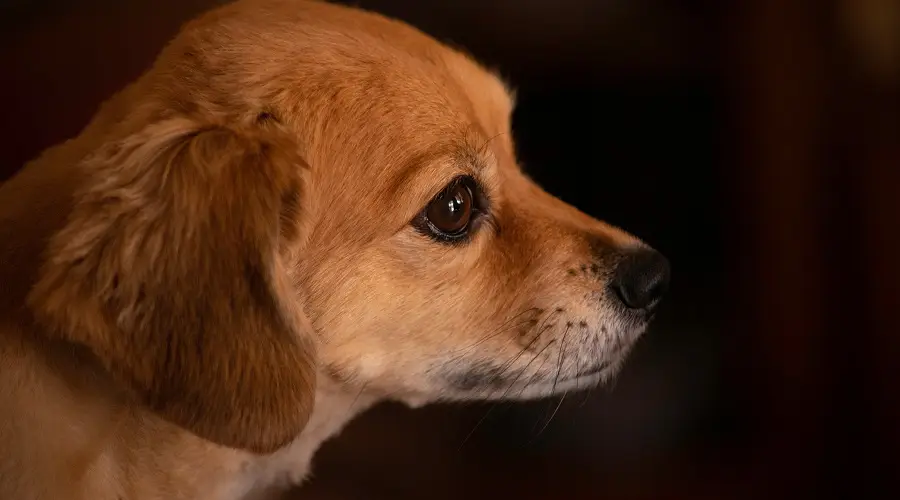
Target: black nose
641,279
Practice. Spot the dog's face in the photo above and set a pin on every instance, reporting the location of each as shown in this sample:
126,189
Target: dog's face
475,283
299,188
434,268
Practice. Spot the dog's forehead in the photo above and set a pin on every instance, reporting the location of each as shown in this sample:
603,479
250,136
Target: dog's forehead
412,94
267,40
387,102
337,72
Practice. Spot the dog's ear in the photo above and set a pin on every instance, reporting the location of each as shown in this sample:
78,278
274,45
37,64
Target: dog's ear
172,270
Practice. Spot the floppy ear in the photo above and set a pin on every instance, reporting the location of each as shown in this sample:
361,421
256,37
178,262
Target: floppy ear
171,270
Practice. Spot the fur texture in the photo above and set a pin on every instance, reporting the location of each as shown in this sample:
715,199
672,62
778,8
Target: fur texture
221,270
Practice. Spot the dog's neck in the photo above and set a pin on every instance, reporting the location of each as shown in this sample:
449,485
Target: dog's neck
335,406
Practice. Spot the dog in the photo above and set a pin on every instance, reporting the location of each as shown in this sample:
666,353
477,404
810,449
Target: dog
301,209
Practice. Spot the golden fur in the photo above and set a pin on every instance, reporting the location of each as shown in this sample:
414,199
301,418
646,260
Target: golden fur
220,271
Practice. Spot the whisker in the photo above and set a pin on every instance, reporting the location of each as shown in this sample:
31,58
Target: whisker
536,374
538,421
562,349
358,394
508,364
498,331
477,425
587,397
458,357
509,388
577,370
525,369
543,326
511,384
547,423
542,330
502,326
590,390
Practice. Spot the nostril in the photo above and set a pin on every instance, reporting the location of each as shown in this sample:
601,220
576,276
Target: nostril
641,279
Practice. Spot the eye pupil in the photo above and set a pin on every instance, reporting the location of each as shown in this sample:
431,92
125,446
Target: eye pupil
451,211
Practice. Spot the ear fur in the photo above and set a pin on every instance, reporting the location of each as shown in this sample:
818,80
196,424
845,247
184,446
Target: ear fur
171,270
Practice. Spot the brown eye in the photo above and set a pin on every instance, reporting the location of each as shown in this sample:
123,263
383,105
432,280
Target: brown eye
451,212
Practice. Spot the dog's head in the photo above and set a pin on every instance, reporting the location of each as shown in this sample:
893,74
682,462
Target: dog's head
300,188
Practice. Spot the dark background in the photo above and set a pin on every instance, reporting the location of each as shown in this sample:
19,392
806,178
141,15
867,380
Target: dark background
755,142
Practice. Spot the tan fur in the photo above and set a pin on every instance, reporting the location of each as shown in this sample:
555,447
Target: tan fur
220,270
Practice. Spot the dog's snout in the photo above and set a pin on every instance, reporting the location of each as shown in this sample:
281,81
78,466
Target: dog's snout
641,279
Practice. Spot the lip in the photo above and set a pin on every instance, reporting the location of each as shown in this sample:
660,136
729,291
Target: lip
592,370
577,382
600,367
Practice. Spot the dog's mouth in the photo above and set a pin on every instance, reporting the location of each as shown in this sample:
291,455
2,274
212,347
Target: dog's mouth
597,369
496,380
533,386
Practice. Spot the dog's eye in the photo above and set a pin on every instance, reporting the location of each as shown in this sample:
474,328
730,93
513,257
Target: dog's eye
451,212
449,216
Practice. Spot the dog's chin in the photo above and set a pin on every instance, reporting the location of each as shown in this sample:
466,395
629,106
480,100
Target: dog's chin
521,388
548,386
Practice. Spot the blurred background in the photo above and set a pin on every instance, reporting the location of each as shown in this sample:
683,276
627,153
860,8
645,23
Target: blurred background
755,142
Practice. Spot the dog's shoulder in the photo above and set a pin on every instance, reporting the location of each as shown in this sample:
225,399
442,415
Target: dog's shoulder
68,432
53,424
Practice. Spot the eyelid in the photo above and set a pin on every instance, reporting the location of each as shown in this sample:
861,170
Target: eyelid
478,198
